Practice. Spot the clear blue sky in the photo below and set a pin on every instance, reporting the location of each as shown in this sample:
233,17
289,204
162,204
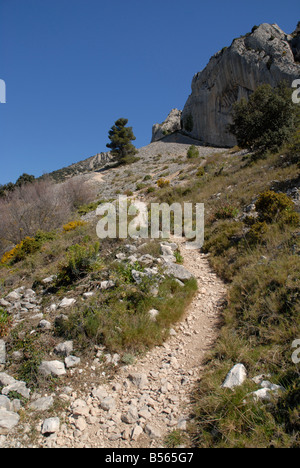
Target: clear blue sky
73,67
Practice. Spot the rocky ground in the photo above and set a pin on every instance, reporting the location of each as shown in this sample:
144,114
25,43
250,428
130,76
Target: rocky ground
143,403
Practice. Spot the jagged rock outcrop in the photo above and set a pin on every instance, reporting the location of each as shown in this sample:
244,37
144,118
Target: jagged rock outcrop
266,55
170,125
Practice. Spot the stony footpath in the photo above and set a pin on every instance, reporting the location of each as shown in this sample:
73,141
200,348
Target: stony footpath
144,402
147,401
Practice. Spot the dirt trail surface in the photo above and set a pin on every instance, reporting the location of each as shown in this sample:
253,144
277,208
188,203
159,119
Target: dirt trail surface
147,401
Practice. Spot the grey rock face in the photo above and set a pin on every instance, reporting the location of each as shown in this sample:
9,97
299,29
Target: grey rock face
264,56
170,125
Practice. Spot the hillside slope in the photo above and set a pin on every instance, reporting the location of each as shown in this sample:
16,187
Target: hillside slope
92,300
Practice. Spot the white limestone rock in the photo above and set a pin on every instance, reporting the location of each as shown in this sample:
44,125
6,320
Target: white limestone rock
236,377
263,56
8,420
55,368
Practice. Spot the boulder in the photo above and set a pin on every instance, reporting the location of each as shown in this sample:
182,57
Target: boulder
178,271
140,380
6,379
42,404
13,297
18,387
64,349
72,361
5,403
153,314
108,404
66,303
8,420
55,368
152,432
236,377
50,426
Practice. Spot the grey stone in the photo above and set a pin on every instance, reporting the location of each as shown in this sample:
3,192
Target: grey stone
137,276
66,303
16,405
17,356
42,404
263,394
166,250
49,280
13,297
72,361
178,271
64,349
45,325
137,431
140,380
5,403
131,417
4,303
152,432
100,393
107,285
153,314
87,295
235,377
18,387
8,420
108,404
56,368
6,379
50,426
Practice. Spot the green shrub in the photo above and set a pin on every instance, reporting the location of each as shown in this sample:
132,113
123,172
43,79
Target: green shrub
273,206
80,261
267,120
84,209
200,172
257,232
193,152
150,189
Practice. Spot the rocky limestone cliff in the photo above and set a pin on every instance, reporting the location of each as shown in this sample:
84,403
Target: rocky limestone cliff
266,55
169,126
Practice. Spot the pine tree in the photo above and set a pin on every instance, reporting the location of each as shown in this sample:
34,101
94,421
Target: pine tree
121,137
